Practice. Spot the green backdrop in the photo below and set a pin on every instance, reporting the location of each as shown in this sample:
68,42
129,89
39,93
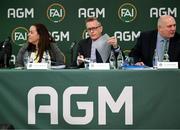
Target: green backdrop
65,19
155,104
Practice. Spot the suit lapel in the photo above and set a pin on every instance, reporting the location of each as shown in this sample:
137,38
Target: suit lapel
153,42
88,47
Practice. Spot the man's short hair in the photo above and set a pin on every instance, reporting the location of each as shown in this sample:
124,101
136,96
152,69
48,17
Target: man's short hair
92,19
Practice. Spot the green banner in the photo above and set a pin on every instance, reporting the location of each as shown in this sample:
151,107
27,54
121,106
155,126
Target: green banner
83,99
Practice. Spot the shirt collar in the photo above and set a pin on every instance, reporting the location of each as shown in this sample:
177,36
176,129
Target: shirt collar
160,38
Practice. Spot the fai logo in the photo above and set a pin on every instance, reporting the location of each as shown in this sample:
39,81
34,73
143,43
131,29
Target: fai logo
127,12
85,34
19,35
56,12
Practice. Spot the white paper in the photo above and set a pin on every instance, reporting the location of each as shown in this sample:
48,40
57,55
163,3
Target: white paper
99,66
103,47
167,65
37,66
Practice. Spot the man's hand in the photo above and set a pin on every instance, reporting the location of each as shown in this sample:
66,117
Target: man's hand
139,63
113,41
80,59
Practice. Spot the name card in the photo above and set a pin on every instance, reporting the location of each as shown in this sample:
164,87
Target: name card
99,66
37,66
167,65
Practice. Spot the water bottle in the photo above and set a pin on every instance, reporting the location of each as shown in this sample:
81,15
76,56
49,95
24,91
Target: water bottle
155,59
112,60
26,59
166,57
126,61
48,59
49,64
120,60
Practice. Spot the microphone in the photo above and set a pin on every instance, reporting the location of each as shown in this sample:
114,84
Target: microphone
72,52
73,44
6,41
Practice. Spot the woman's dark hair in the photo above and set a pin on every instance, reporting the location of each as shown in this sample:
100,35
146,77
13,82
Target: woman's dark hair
44,40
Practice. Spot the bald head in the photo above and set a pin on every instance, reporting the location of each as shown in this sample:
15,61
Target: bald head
164,19
166,26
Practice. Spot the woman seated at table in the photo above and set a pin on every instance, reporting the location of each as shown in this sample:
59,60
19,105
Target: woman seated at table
40,48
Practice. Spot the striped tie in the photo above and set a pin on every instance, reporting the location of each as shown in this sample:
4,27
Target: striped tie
166,46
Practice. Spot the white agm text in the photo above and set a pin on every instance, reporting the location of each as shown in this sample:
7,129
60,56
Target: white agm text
104,99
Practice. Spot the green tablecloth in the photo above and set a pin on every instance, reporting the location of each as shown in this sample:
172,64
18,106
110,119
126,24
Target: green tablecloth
153,97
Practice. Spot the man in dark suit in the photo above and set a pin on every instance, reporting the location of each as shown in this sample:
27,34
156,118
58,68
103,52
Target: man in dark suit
151,42
86,47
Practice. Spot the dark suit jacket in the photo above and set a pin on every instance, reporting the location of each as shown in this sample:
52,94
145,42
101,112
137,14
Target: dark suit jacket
146,44
84,48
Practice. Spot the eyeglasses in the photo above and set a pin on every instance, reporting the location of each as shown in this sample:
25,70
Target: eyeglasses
93,28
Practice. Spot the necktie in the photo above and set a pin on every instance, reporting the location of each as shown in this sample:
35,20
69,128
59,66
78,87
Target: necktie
165,48
166,45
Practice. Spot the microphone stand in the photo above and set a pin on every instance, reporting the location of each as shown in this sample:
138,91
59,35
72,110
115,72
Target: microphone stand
4,52
5,60
72,55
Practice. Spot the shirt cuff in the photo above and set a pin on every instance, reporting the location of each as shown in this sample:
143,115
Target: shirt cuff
117,49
